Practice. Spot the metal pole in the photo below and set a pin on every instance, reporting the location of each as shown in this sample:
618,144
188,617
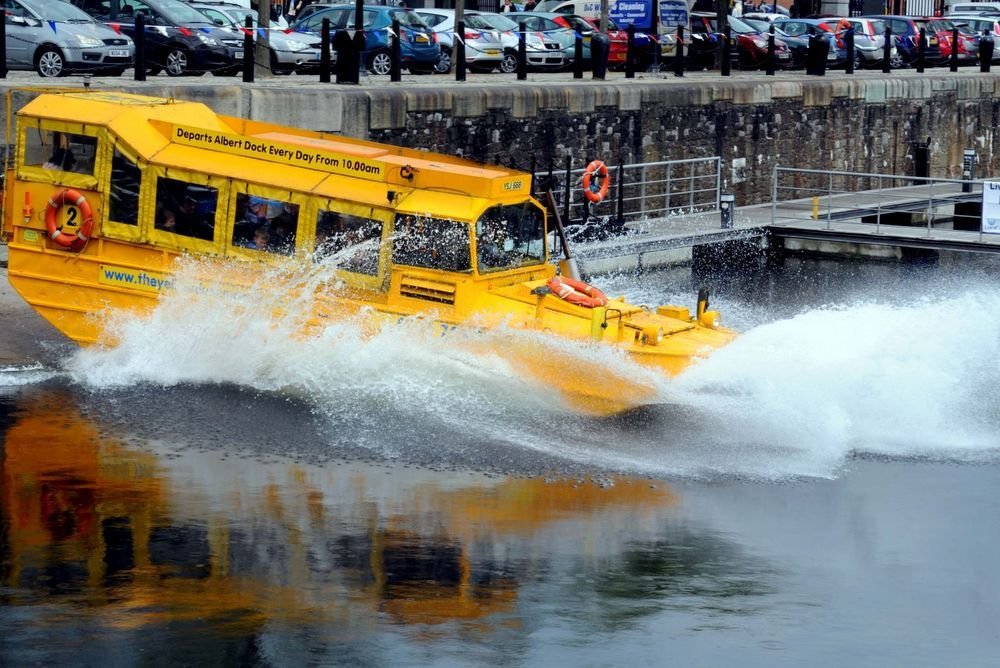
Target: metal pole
458,43
630,53
522,54
248,54
921,50
953,59
770,51
566,189
578,55
774,193
886,48
3,49
324,56
395,71
140,47
679,58
829,202
930,206
878,207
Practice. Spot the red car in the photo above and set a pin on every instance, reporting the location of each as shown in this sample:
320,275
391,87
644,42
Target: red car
968,44
618,50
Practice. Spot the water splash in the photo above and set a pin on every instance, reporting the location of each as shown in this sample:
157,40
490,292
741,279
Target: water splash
796,397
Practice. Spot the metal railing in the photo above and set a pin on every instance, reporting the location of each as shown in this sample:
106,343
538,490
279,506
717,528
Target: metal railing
643,191
829,197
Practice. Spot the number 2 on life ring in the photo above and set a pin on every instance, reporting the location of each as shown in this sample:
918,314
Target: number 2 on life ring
596,169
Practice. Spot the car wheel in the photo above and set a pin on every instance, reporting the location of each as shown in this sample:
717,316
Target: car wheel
177,62
896,62
444,62
509,63
380,62
49,62
859,61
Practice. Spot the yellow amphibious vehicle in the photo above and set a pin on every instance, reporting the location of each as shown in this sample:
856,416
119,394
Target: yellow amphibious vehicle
109,189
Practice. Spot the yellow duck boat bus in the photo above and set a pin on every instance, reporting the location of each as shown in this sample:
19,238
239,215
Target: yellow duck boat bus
109,189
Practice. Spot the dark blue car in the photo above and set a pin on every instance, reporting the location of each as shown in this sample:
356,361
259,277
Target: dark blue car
419,49
906,33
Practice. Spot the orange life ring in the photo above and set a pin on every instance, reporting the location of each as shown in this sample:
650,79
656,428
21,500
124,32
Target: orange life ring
576,292
72,241
596,168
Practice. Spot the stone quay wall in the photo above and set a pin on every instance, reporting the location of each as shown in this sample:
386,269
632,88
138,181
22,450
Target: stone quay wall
869,122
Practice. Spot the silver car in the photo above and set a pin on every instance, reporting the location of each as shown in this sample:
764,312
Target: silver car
483,50
541,51
294,52
55,38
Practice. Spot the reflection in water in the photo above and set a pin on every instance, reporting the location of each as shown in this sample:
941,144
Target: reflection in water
218,560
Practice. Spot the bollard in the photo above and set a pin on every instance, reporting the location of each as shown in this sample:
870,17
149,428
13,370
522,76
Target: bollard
886,57
459,51
248,50
725,66
140,47
3,49
346,67
811,52
679,53
921,50
522,53
578,56
823,47
600,45
849,44
968,169
770,51
630,53
395,58
985,51
324,54
953,58
726,210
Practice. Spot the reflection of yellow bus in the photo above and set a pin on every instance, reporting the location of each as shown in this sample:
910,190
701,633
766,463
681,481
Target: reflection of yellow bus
108,189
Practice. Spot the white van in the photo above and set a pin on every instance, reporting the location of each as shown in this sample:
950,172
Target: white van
985,8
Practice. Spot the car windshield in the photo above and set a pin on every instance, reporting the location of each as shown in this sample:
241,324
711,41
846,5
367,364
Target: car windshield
407,18
498,22
55,10
477,22
181,13
739,27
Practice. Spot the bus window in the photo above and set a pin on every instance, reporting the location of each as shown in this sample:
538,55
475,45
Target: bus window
265,224
431,243
355,240
123,195
509,236
186,209
60,151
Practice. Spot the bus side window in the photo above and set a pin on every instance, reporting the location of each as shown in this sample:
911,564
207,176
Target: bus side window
126,178
265,224
60,151
186,209
355,240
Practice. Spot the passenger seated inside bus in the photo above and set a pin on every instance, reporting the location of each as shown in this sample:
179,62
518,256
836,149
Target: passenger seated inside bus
185,209
255,214
62,157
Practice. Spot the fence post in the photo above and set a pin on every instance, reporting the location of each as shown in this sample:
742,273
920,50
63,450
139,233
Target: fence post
886,48
921,50
679,55
620,222
770,51
629,53
566,187
458,51
849,41
324,56
953,58
395,73
140,47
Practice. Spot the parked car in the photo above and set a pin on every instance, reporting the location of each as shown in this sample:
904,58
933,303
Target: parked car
983,25
179,39
544,24
836,56
869,44
418,45
541,52
483,50
748,48
968,41
907,33
55,38
294,52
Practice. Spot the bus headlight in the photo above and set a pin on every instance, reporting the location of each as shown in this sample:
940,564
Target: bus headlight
710,319
652,335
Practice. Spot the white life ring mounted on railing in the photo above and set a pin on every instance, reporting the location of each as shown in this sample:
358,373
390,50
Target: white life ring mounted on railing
69,197
599,170
576,292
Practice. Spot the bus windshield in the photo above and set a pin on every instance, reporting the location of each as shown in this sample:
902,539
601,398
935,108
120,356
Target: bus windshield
510,236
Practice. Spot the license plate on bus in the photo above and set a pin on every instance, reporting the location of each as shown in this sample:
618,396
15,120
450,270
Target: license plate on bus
118,53
238,55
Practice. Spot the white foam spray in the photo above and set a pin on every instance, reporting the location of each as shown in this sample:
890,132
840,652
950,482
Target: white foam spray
794,397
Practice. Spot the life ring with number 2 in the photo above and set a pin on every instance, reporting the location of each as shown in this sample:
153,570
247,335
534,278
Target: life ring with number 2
599,169
69,197
577,292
